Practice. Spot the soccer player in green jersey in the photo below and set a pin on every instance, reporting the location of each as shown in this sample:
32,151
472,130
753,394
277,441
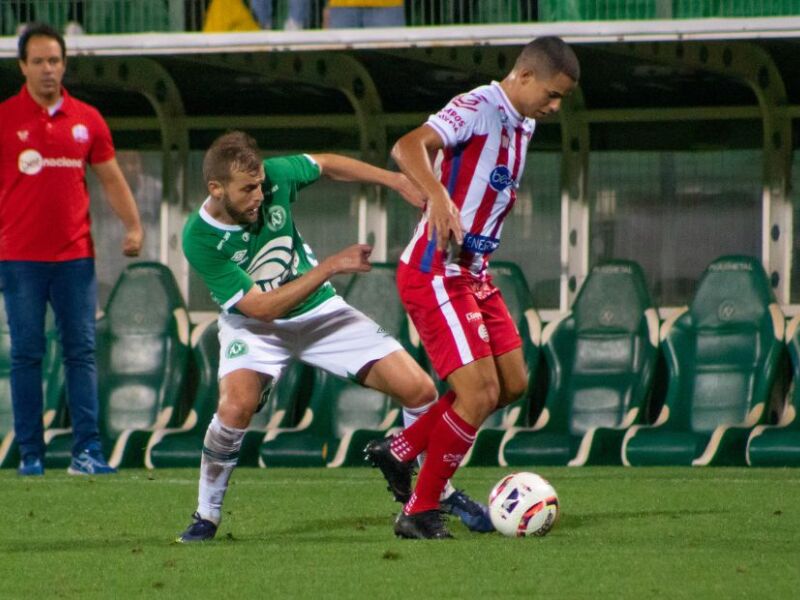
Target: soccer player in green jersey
276,301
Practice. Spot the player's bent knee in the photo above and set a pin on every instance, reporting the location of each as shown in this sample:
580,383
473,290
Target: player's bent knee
418,390
234,414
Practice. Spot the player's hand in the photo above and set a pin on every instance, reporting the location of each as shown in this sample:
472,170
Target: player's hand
353,259
444,220
410,192
132,244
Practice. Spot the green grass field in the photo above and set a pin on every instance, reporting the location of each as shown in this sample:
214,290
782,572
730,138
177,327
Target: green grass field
623,533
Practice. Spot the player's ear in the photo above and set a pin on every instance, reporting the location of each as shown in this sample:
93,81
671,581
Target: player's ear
216,189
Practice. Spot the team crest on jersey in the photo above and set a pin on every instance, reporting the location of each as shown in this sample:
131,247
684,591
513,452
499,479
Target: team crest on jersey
22,134
80,133
500,178
245,237
276,217
235,349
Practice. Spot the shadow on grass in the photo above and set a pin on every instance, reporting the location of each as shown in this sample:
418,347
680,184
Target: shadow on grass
575,521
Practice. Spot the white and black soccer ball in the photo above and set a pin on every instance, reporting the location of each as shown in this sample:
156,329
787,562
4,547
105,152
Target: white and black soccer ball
523,504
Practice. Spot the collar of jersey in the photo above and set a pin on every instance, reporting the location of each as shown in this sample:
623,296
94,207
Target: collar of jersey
65,101
206,216
504,99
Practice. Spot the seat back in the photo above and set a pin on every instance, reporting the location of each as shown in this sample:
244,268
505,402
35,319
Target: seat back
142,350
205,354
127,16
723,352
510,280
602,355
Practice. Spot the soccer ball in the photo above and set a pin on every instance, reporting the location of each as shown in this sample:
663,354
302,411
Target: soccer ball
523,504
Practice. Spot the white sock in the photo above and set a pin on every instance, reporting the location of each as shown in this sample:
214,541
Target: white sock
410,416
220,453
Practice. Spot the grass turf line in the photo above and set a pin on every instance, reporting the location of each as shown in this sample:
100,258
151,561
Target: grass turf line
303,533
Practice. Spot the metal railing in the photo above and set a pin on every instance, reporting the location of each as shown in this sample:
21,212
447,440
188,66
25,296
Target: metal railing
127,16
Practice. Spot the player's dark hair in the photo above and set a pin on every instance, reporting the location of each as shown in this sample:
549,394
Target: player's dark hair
38,30
232,151
548,56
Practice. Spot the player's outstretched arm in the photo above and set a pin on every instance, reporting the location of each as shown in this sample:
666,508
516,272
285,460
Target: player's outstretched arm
413,153
267,306
344,168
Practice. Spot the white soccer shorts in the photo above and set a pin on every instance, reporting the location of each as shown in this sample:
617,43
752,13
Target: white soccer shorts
333,336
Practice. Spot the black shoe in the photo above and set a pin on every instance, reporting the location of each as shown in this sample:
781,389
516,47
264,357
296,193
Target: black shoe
200,530
428,525
397,473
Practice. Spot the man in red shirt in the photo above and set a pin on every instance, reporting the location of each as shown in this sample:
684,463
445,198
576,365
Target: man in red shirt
47,138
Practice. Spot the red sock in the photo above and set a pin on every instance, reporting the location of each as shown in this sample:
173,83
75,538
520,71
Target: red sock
411,442
450,439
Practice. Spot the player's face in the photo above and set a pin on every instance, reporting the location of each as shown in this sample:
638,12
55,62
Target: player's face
536,99
241,197
43,68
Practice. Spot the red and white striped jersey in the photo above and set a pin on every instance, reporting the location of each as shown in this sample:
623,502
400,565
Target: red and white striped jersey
485,141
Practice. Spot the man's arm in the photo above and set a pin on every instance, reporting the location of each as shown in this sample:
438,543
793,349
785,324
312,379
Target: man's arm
119,197
267,306
413,153
343,168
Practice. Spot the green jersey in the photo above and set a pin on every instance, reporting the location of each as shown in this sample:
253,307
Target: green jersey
270,252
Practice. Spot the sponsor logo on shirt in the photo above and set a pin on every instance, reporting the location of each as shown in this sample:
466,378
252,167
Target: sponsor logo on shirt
30,162
239,256
501,178
80,133
480,244
22,134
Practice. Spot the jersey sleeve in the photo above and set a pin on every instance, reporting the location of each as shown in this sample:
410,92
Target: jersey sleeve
225,280
456,121
298,170
102,146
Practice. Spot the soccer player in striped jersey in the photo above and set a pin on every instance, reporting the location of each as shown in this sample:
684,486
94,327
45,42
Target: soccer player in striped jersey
463,322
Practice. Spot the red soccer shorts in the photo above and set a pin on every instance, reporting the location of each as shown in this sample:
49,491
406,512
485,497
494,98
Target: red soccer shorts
459,319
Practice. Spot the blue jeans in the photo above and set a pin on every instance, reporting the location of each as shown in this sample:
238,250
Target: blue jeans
299,11
343,17
71,289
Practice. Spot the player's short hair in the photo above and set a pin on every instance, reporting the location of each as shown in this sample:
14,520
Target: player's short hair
230,152
38,30
547,57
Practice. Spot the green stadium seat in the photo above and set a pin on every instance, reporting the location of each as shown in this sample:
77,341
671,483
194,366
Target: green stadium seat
126,16
601,358
692,9
342,416
722,354
52,381
597,10
511,282
779,445
181,446
142,359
